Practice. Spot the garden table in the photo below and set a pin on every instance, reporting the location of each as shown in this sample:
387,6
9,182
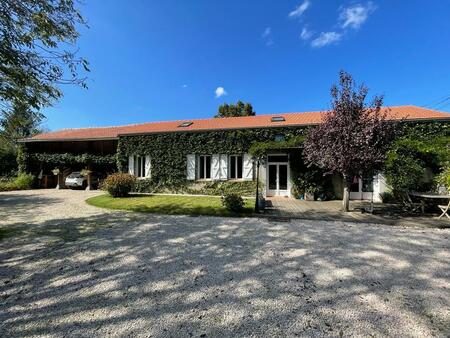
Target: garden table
422,196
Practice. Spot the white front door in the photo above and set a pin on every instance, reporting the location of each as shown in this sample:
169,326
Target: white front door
362,188
277,179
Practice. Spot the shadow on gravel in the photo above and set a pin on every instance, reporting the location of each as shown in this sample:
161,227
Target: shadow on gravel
159,276
20,203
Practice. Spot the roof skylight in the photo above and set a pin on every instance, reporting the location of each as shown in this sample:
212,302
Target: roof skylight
278,119
185,124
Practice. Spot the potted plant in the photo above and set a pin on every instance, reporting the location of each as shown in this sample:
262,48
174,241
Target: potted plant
87,173
57,173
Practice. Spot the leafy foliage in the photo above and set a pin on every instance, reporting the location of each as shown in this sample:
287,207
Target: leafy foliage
409,158
168,151
66,158
233,110
233,203
33,61
17,123
260,149
119,184
21,182
353,137
444,177
213,188
8,163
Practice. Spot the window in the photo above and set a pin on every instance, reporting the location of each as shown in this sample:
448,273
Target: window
204,167
279,138
278,119
235,166
277,158
139,166
185,124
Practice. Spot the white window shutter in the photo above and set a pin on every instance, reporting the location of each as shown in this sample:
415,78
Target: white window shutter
190,159
248,167
215,167
148,166
223,167
131,165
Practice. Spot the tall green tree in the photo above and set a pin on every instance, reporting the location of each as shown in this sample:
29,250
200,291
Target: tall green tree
37,51
233,110
353,137
17,123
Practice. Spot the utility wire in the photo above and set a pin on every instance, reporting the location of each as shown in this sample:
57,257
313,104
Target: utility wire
437,102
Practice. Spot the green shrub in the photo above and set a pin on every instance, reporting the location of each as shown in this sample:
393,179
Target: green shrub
6,186
24,182
119,184
443,179
388,197
21,182
213,188
409,161
217,188
233,202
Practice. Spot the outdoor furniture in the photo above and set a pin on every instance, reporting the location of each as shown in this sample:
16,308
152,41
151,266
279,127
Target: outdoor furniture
431,196
445,209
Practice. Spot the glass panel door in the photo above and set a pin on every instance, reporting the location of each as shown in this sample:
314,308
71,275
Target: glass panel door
272,177
282,177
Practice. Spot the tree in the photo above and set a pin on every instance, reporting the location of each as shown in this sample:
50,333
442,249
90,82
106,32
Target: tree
353,137
36,51
20,122
233,110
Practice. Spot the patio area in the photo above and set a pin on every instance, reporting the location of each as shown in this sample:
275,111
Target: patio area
283,207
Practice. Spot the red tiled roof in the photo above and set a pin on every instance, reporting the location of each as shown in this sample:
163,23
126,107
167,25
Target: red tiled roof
291,119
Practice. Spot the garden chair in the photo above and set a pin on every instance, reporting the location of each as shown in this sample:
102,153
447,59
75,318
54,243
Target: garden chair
445,210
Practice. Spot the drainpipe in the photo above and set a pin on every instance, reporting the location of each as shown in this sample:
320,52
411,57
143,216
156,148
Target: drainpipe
257,188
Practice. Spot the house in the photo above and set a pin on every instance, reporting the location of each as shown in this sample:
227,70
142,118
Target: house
195,152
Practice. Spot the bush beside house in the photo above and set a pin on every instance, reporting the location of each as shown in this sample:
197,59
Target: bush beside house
21,182
119,185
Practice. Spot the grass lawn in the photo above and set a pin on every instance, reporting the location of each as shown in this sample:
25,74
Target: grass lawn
170,205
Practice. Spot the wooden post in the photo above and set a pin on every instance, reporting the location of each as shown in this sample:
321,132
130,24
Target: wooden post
89,182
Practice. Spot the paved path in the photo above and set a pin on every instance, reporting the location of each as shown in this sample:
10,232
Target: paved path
332,211
68,269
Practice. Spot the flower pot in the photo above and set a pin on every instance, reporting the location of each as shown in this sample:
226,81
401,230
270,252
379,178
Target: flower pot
309,196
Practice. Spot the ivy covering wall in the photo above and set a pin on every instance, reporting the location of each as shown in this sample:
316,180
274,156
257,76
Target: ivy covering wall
168,151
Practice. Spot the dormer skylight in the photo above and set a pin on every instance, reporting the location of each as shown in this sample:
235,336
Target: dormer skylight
185,124
278,119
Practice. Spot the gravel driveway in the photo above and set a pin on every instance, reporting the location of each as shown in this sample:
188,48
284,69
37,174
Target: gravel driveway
69,269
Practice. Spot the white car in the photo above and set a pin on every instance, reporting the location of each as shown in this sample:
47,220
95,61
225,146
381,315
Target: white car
76,180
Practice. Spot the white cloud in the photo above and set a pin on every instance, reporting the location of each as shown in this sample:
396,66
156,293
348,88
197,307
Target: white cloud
354,16
267,36
305,34
300,9
220,91
267,32
326,38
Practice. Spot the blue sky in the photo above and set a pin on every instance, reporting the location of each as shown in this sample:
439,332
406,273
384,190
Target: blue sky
176,59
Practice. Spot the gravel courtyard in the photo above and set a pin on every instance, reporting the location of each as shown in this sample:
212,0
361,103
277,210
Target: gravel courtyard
69,269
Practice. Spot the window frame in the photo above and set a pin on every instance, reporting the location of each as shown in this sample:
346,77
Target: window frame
139,166
236,167
205,166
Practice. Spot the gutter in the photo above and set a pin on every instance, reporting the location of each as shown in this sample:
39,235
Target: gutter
443,119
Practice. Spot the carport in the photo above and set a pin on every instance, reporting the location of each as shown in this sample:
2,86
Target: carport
52,161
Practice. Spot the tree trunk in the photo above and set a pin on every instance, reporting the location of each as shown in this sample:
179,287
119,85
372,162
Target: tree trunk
346,197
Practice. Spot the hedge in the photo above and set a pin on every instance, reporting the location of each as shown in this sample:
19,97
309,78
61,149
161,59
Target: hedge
213,188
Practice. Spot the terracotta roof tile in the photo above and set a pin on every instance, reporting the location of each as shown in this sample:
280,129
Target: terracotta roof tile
259,121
